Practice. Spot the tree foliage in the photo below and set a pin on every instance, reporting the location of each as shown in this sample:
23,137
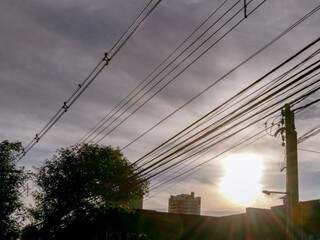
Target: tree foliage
82,178
11,180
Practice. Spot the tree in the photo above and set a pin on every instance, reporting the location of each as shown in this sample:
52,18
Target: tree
82,178
11,180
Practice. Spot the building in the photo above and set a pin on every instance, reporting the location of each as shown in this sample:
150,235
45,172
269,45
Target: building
185,204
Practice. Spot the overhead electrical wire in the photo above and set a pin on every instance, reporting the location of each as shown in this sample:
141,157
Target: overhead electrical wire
184,164
91,77
270,82
209,143
196,168
225,75
179,73
210,159
136,24
202,143
264,100
268,85
106,119
178,174
131,25
310,133
192,170
286,98
308,150
209,146
215,109
134,91
308,105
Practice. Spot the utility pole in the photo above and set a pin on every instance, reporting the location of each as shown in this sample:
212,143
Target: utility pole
292,185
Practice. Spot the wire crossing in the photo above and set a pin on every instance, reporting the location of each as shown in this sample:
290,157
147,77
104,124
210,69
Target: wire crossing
144,83
289,29
294,88
175,67
191,126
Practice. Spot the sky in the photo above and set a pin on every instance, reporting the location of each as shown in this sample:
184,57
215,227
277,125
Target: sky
48,47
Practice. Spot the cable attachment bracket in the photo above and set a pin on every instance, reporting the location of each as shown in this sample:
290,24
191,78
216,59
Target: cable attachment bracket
37,138
281,130
65,106
106,58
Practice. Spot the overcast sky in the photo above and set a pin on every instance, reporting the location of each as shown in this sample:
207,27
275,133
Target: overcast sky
48,47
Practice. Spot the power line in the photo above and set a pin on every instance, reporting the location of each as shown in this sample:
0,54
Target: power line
268,85
194,170
221,78
186,163
197,167
161,162
298,81
87,81
210,159
308,150
180,72
229,100
197,121
309,134
135,28
133,93
134,22
308,105
210,145
261,88
260,106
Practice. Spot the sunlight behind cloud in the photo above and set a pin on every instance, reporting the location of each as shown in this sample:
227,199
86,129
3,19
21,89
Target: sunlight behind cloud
240,183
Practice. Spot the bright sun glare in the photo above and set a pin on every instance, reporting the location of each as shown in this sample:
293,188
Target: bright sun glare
242,175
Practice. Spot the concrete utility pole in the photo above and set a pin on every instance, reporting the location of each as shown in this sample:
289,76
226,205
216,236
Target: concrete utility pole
292,185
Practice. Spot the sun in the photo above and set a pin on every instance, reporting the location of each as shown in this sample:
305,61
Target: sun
240,183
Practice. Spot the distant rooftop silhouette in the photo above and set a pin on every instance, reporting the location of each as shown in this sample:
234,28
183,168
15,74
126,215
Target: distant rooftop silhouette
185,204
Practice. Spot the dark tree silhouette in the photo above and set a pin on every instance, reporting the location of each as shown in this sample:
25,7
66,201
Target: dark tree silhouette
11,179
80,179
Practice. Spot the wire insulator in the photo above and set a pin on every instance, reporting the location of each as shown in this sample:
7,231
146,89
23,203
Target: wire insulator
65,106
106,58
36,138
